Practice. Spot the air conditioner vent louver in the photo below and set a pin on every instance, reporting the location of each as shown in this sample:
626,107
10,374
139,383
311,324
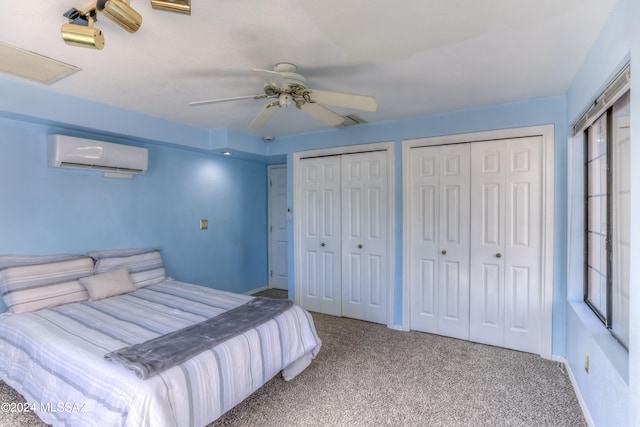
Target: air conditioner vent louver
115,160
71,165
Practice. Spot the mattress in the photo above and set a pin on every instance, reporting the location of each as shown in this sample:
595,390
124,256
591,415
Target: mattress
54,357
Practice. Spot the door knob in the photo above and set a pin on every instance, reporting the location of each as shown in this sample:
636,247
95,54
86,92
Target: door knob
322,244
498,255
444,252
359,246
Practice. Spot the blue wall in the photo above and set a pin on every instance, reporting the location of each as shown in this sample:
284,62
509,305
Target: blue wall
46,210
608,390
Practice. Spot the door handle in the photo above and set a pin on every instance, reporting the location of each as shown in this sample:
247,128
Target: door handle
444,252
322,244
360,246
498,255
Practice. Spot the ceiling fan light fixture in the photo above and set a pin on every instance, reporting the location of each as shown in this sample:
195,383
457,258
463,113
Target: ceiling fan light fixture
290,87
175,6
285,99
120,12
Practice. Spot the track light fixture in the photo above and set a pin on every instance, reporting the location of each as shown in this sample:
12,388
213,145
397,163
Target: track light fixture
80,30
121,13
176,6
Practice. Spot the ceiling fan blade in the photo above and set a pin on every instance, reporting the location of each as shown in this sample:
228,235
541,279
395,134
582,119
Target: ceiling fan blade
265,115
215,101
347,100
272,78
317,111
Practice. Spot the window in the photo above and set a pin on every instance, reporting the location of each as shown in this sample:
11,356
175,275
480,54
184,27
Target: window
607,212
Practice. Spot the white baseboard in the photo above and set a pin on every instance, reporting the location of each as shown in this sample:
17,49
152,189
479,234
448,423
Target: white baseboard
251,292
583,404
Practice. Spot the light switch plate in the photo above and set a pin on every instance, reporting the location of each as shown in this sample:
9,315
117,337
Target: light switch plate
204,224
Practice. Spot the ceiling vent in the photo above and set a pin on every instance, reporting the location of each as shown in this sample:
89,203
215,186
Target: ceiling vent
32,66
351,120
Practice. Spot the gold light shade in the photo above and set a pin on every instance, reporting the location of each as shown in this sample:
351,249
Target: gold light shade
79,35
176,6
121,13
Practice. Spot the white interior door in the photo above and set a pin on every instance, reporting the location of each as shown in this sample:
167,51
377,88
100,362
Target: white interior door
278,238
320,238
439,243
506,243
365,236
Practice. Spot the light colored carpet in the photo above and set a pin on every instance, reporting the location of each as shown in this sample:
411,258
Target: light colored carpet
369,375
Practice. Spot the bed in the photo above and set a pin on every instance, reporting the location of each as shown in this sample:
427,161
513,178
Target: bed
54,353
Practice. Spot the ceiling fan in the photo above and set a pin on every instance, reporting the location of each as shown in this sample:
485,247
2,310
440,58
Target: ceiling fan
287,87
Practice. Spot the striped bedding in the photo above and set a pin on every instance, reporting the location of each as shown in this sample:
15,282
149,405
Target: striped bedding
55,358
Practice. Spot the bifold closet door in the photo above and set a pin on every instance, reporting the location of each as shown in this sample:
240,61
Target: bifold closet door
321,235
439,187
345,235
506,242
365,236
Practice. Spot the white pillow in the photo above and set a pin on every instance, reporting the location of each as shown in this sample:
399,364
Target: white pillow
111,283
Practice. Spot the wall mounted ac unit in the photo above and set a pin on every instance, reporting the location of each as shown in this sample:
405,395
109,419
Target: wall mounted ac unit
115,160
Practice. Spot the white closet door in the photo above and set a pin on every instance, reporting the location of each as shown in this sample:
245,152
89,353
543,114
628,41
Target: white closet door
278,236
523,253
439,247
321,235
365,236
487,242
506,244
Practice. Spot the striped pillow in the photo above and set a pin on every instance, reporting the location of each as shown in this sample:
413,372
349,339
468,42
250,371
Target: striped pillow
145,269
119,253
35,282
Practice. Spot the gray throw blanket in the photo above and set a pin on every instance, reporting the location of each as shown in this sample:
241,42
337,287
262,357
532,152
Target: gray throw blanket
161,353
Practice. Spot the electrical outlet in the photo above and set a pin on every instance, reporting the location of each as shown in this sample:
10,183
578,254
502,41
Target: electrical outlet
586,362
204,224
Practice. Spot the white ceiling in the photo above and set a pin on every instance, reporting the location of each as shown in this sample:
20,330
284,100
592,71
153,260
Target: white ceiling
414,56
